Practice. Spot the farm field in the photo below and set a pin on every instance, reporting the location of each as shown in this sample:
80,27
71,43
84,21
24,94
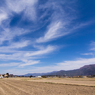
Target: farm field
47,86
70,81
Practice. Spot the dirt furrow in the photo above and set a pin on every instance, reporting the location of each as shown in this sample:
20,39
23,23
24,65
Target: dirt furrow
29,86
2,91
36,88
7,90
20,91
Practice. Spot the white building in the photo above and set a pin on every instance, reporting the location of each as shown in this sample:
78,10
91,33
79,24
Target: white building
1,76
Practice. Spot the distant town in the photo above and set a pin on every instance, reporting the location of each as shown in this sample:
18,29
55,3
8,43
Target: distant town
7,75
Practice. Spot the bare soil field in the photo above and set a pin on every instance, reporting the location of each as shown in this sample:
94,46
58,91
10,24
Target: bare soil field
70,81
37,86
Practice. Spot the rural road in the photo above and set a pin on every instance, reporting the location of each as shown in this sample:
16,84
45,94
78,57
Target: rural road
22,87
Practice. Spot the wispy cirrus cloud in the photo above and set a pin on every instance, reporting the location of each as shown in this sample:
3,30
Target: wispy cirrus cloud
20,64
92,49
11,48
28,6
8,34
77,63
62,20
9,65
54,30
58,29
3,16
59,20
8,16
87,54
25,57
46,50
92,46
29,62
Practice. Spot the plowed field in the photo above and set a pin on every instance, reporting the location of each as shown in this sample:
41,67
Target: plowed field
25,87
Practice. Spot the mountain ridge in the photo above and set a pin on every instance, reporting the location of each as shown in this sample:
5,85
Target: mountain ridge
83,71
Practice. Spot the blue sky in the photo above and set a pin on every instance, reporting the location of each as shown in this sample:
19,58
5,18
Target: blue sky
39,36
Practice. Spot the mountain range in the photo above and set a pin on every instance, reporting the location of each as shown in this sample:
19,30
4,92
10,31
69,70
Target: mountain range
83,71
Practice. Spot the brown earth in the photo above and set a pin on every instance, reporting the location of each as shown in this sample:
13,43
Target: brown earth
71,81
17,86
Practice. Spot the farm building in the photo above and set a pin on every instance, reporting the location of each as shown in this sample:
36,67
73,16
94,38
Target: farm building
1,76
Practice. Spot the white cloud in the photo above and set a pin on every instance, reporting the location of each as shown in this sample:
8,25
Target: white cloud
19,44
38,46
29,62
61,20
24,63
92,49
70,65
27,5
3,16
9,64
14,56
58,29
46,50
6,14
8,34
25,57
92,46
12,52
87,54
14,45
20,64
18,6
54,31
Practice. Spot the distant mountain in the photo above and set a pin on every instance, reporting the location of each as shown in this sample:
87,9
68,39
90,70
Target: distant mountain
85,70
35,74
39,74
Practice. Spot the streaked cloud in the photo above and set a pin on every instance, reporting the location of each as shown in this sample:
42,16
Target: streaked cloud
61,20
30,62
9,65
7,15
26,58
92,46
13,46
3,16
8,34
54,31
20,64
77,63
46,50
87,54
28,6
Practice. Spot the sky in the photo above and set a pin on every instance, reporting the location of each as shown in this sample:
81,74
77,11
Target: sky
39,36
